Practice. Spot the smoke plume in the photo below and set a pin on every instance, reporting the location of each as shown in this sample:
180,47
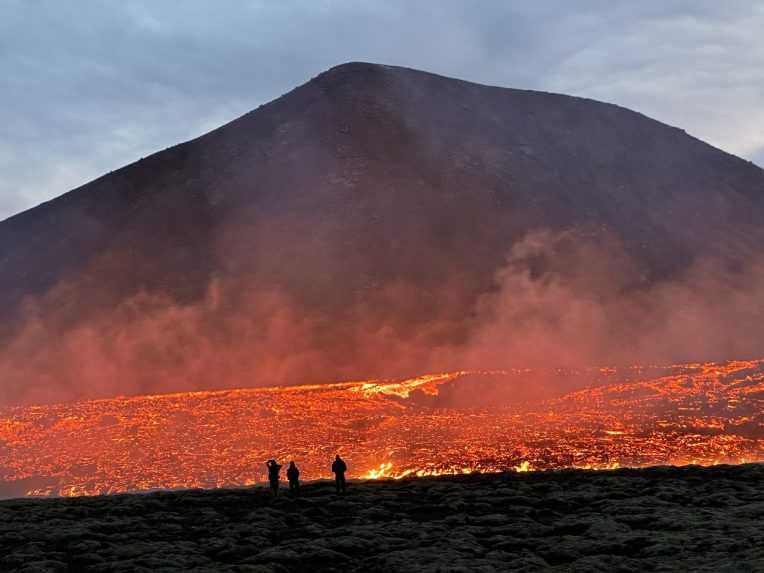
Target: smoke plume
560,299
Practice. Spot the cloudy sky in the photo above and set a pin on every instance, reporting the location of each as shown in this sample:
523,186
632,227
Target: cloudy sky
88,86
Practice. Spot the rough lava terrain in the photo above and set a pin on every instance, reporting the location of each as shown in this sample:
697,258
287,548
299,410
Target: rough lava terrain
657,519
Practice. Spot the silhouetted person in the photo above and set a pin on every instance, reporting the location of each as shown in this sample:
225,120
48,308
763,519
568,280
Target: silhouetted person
273,476
339,467
293,475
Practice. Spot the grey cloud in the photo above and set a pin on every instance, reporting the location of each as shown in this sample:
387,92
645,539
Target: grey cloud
90,86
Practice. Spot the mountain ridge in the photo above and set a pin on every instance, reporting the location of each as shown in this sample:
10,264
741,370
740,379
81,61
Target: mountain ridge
379,196
350,66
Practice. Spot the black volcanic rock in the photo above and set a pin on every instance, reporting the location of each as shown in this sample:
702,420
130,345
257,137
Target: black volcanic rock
655,519
371,180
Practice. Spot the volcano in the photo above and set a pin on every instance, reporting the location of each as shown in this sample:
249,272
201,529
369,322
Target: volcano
359,226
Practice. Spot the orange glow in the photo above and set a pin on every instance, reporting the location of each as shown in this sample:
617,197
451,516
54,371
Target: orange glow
428,384
524,466
695,413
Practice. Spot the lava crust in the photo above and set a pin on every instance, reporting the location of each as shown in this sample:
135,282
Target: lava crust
656,519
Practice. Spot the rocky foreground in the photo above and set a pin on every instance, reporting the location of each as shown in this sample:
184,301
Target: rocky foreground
658,519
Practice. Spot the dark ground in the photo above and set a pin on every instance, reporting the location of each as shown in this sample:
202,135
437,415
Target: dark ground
659,519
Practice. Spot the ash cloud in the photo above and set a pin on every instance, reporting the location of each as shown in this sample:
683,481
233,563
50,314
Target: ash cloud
591,305
571,299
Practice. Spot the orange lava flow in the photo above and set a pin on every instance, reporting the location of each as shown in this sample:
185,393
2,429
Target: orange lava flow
695,413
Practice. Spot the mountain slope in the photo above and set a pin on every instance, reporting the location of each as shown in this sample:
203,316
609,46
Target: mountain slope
377,192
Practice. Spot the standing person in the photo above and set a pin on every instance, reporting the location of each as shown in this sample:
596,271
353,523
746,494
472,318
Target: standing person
273,476
339,467
293,475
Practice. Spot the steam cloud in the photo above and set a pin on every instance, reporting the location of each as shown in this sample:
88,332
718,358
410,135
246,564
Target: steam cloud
561,299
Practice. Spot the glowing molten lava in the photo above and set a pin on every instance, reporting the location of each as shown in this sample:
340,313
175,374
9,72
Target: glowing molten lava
697,413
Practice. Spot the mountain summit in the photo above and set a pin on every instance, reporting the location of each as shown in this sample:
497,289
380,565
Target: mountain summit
364,223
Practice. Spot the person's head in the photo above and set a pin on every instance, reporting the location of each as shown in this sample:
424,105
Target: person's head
337,457
291,464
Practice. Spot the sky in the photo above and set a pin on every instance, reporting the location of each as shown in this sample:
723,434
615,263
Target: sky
89,86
